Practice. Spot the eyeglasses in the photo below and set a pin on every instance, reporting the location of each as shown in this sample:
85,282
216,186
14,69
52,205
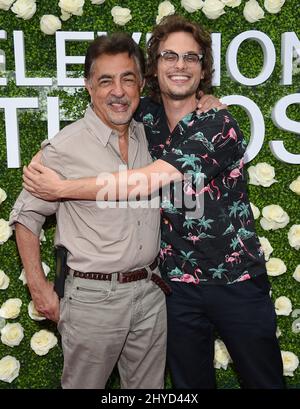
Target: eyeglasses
171,57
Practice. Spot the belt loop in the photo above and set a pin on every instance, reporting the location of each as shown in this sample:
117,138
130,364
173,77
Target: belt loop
114,279
149,271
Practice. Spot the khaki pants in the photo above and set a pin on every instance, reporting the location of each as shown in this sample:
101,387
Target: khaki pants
105,322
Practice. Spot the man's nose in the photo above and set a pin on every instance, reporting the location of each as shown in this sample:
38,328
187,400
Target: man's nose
180,63
118,89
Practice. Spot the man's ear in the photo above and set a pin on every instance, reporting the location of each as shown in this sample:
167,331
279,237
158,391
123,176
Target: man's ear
88,86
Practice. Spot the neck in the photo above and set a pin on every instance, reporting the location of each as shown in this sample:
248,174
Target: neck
122,132
177,109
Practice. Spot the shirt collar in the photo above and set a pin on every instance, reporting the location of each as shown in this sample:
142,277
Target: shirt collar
102,131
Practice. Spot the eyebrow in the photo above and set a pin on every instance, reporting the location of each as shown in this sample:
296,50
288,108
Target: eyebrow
126,73
185,52
123,74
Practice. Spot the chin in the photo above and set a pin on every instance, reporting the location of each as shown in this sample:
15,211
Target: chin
120,121
181,95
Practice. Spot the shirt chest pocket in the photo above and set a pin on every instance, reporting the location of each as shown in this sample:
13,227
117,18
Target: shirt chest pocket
110,221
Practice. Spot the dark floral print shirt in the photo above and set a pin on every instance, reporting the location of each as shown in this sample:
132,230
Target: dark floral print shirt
219,245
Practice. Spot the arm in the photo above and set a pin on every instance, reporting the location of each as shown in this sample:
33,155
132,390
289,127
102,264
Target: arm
43,296
46,184
206,102
27,218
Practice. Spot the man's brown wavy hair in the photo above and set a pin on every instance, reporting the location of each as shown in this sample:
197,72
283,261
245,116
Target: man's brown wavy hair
174,24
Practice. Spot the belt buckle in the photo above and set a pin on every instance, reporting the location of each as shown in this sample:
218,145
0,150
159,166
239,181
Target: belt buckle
122,278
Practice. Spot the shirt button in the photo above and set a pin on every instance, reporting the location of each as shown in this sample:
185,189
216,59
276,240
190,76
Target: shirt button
139,223
140,247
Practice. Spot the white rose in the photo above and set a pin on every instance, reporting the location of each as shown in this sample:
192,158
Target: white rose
97,1
74,7
12,334
33,313
266,247
121,15
273,6
42,341
10,309
45,268
9,368
261,174
295,186
42,236
231,3
24,9
22,276
222,357
5,231
5,4
64,15
192,5
296,274
255,211
290,363
294,236
275,267
296,312
165,8
252,11
296,323
296,326
4,280
274,217
49,24
213,9
3,195
283,305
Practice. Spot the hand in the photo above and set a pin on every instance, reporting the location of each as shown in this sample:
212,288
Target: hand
208,102
37,157
46,302
41,181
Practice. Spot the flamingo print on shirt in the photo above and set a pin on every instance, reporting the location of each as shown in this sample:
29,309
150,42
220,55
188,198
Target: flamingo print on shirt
221,245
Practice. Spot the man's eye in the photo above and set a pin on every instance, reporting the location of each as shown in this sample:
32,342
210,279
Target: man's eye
192,58
104,83
129,80
170,57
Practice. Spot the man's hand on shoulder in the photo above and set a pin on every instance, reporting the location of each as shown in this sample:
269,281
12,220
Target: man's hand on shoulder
37,157
207,102
41,181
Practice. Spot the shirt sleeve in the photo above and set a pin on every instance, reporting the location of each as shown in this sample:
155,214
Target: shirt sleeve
207,147
29,210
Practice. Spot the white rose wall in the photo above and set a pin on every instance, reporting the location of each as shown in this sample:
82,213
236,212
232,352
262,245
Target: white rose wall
257,72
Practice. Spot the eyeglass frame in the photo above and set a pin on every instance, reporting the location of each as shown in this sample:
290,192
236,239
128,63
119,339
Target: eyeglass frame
181,55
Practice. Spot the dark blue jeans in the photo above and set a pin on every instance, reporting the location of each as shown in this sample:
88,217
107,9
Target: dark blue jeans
244,317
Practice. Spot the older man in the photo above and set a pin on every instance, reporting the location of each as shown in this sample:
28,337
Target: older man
114,307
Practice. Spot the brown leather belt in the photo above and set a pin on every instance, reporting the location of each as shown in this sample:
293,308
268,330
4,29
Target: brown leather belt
129,276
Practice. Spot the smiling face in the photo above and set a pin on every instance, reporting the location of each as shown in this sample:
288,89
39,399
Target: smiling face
114,87
179,81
